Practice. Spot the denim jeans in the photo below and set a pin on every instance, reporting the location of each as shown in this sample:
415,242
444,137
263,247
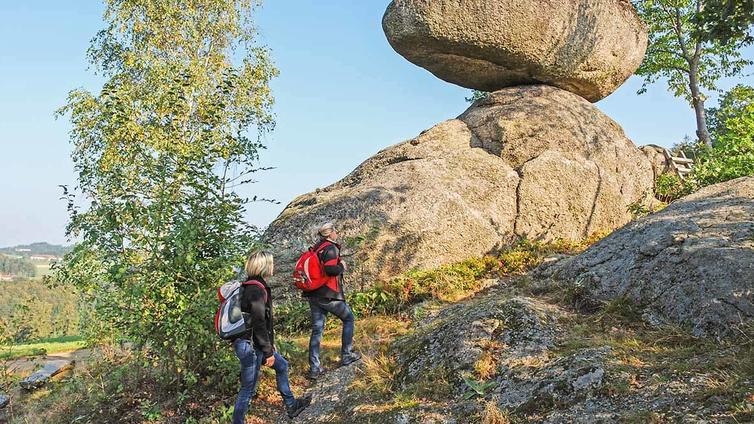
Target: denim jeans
251,362
319,310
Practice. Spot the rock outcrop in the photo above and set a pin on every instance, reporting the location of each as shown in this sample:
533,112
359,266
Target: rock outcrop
657,158
587,47
523,326
532,161
691,264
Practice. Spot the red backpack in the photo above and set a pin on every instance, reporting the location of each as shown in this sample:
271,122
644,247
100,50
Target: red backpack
309,274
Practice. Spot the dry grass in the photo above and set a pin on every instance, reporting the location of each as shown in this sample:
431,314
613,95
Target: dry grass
493,415
486,366
376,376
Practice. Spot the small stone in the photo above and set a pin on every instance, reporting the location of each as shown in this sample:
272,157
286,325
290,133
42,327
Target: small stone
589,380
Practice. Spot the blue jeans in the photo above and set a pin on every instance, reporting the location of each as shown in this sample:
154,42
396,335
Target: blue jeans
251,362
319,310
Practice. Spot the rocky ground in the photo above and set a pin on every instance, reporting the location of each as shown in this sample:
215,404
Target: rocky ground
529,356
541,349
539,346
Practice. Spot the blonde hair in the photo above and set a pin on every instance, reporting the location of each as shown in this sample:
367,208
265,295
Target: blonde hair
259,264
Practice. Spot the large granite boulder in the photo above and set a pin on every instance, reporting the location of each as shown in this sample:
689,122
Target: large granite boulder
588,47
691,264
535,162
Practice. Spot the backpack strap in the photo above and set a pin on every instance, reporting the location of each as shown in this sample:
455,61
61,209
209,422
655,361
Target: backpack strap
322,246
258,284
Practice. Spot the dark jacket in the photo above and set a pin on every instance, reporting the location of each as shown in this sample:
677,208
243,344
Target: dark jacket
329,257
261,323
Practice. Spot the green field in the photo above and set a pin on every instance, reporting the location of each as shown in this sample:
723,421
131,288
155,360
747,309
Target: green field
42,347
42,268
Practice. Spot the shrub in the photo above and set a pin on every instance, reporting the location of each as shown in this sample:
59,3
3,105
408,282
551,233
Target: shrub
670,187
292,317
732,128
731,157
451,282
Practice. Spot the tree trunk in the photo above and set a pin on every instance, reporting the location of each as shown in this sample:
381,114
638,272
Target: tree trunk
698,103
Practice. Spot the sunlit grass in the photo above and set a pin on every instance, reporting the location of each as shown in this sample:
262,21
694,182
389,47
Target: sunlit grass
42,347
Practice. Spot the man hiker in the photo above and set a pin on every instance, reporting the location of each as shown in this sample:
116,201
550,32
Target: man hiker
329,299
256,347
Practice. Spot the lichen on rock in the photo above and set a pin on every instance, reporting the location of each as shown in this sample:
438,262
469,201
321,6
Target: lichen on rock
535,162
690,264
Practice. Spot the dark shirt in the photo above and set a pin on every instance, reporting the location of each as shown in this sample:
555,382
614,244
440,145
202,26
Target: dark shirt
329,257
260,316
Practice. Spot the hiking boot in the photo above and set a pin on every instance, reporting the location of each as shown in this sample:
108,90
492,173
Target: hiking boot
315,375
350,359
298,406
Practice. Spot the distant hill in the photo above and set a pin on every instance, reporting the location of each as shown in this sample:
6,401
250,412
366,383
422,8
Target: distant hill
41,248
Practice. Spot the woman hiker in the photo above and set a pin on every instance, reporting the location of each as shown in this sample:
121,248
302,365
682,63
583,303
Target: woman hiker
257,346
329,299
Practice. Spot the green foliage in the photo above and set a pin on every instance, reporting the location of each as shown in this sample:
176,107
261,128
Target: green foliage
638,209
676,46
19,267
32,310
732,125
478,388
292,317
670,187
734,114
692,148
728,19
477,95
158,153
683,54
731,158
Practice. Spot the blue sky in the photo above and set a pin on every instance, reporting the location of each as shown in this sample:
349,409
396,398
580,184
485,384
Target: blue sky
342,95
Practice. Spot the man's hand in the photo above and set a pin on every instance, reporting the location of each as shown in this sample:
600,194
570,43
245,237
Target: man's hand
270,361
343,263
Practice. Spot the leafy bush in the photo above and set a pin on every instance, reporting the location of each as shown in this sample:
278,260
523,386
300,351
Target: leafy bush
292,317
731,157
670,187
732,128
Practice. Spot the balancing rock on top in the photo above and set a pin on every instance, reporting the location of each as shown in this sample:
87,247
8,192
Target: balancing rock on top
587,47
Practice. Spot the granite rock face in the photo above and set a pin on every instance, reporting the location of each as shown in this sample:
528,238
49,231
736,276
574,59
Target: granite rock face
588,47
533,161
691,264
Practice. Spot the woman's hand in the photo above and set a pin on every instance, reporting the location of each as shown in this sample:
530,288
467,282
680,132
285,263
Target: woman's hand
270,361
